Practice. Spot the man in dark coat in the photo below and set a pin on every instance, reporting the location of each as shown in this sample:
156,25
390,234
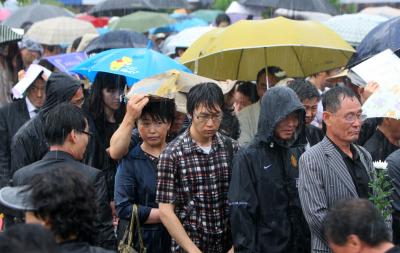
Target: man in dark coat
62,201
385,140
12,117
66,131
29,144
393,167
266,214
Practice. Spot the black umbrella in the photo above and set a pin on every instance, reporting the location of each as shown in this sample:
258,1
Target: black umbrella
298,5
120,7
32,13
169,4
118,39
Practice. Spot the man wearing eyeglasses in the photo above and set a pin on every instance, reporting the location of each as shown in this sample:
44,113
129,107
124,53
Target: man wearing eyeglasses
67,133
193,178
335,168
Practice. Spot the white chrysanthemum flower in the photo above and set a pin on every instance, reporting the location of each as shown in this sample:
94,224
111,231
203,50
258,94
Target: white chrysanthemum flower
380,165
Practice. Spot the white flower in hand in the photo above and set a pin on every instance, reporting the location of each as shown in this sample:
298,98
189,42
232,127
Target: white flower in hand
380,165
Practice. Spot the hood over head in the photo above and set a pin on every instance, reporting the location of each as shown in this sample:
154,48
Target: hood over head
60,88
276,104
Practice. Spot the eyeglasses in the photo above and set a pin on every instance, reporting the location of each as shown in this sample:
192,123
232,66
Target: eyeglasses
204,118
352,117
87,133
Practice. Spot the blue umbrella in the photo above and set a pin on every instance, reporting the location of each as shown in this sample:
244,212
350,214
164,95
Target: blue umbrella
385,35
133,63
182,22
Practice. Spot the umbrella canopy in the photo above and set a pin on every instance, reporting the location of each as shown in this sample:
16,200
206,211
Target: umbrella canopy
385,35
184,39
385,103
119,7
117,39
170,4
385,11
4,13
96,21
8,35
59,31
125,7
34,13
133,63
141,21
354,27
65,62
238,52
207,15
299,5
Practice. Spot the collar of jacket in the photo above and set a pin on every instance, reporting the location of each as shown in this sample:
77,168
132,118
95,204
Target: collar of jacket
59,155
340,167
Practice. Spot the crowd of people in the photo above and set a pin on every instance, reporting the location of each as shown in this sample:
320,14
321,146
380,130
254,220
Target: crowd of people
282,165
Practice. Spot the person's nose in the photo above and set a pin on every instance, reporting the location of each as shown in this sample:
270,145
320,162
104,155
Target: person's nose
40,93
308,113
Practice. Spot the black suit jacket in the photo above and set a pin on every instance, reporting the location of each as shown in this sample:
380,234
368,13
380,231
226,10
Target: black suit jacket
12,117
58,159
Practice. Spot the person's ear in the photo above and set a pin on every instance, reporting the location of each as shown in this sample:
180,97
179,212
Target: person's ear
354,243
327,118
47,223
73,136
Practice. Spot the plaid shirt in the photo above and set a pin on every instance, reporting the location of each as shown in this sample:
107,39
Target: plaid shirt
197,184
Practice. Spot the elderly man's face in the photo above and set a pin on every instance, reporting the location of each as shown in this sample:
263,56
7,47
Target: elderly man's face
345,123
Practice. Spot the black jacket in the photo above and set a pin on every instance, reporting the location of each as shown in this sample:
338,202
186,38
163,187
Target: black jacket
266,214
135,182
29,143
379,146
314,134
393,161
59,159
12,117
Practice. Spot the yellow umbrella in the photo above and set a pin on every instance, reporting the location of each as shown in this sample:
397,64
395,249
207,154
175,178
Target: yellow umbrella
238,52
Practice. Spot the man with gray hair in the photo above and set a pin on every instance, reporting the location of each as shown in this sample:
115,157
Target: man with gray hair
335,168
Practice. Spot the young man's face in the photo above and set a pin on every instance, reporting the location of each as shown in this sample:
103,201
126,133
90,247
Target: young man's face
206,121
311,106
37,93
286,128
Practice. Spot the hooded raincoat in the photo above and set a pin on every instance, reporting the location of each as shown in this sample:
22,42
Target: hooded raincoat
266,213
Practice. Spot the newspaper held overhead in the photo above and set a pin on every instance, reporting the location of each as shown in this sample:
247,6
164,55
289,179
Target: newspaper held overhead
383,68
31,74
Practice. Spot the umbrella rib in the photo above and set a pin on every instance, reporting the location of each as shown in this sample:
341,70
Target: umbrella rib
238,67
298,60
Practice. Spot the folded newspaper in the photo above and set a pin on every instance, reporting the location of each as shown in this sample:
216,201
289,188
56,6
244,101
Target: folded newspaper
383,68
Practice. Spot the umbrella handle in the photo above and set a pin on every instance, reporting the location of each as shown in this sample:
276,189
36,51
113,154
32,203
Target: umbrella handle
266,68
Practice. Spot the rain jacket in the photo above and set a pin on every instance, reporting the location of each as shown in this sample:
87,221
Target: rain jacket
266,213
